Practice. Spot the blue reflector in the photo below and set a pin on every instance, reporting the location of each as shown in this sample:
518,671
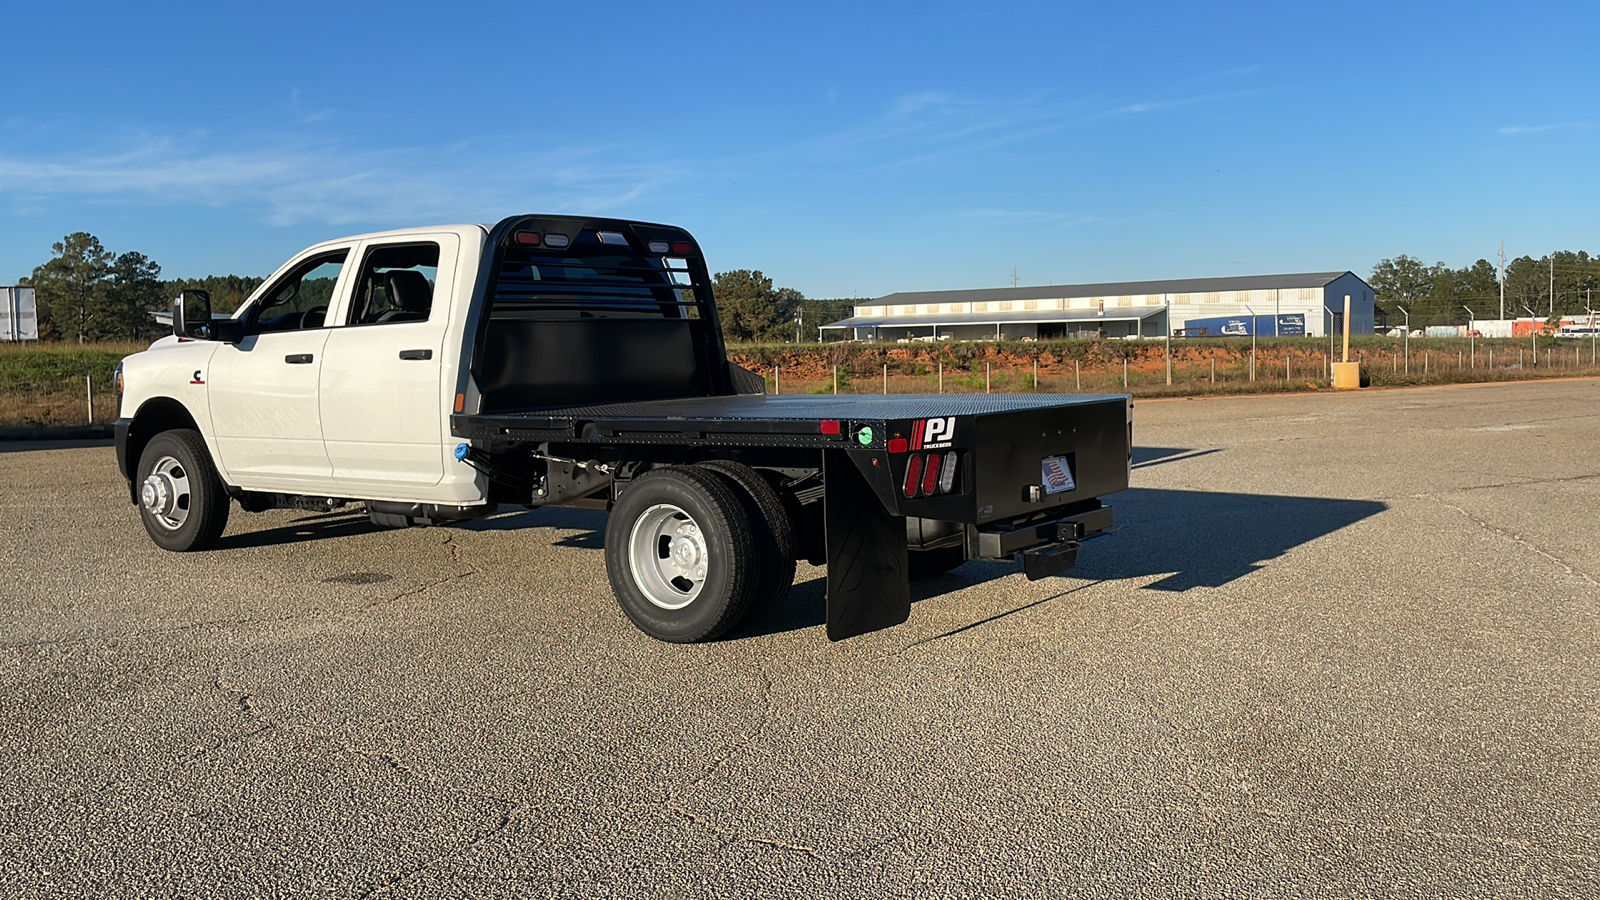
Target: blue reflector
461,451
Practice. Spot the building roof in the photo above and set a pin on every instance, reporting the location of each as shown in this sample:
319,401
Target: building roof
1117,289
1004,318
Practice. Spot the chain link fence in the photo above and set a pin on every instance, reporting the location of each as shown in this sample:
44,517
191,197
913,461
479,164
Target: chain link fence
1154,370
45,388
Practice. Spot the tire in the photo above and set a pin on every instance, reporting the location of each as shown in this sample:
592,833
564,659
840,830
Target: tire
928,563
680,554
771,531
182,500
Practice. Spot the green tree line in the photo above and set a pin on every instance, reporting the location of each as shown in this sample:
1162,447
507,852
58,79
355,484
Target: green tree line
1554,285
86,293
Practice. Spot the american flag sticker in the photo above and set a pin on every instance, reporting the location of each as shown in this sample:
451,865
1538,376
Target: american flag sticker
1056,474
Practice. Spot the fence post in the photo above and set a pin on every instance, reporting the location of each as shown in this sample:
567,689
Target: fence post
1077,377
1124,373
886,378
1213,370
1036,373
986,378
836,379
777,379
88,387
941,376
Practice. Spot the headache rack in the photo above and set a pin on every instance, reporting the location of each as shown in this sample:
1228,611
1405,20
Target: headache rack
578,310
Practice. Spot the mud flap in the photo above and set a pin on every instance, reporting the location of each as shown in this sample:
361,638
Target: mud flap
869,585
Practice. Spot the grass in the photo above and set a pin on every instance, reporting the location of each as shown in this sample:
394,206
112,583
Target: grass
43,384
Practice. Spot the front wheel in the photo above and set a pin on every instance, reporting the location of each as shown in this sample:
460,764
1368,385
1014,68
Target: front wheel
182,500
680,556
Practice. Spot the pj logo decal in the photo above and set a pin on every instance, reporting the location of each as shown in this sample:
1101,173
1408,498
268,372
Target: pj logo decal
931,434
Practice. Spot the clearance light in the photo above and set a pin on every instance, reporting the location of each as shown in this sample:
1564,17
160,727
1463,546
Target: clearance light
930,479
611,237
530,238
830,426
897,445
947,477
913,475
660,247
682,248
556,240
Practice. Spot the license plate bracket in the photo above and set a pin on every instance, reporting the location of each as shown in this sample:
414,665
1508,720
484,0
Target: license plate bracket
1055,474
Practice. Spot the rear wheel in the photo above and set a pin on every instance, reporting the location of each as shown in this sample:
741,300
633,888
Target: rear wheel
182,500
771,531
680,554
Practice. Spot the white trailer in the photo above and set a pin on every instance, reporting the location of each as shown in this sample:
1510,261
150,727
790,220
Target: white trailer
19,317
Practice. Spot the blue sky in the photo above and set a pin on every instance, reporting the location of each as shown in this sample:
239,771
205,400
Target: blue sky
845,149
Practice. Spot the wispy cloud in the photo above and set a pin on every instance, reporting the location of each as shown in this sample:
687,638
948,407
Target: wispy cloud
1155,105
329,181
1513,130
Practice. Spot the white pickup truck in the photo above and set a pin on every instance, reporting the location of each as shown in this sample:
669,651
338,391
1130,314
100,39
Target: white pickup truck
436,374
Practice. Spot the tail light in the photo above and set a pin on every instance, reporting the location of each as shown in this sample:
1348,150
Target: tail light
930,480
913,475
931,474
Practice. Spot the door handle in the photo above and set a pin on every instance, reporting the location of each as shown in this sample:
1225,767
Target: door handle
295,359
416,354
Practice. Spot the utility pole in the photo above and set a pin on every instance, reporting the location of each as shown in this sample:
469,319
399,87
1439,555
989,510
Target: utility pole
1552,284
1502,281
1407,313
1013,276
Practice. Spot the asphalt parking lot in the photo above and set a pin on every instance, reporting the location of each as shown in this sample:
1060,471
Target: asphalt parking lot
1341,645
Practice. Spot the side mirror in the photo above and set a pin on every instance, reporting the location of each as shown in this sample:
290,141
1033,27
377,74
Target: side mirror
191,315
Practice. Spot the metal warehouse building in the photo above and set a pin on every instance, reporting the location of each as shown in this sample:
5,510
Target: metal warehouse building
1309,303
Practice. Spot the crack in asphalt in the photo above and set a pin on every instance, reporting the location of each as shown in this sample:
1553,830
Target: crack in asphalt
1421,831
397,879
449,542
1526,482
414,591
731,836
1514,538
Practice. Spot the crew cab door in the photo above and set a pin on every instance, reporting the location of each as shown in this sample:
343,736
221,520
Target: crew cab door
265,414
385,418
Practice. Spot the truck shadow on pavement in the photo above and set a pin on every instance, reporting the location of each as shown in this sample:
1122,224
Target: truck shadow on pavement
1207,539
308,526
1193,538
1145,457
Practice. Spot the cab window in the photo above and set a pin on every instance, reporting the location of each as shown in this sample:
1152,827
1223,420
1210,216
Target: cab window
396,284
301,299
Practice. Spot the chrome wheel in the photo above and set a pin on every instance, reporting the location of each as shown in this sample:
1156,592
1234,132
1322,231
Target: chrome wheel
668,556
166,495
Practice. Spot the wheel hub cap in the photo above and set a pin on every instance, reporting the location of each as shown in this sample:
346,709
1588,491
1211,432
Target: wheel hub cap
157,495
668,556
685,552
